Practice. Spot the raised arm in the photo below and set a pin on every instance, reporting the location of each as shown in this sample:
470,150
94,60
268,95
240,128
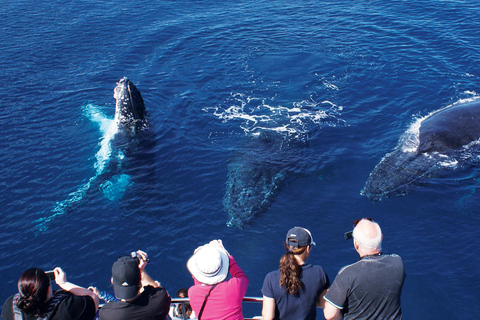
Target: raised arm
61,280
146,279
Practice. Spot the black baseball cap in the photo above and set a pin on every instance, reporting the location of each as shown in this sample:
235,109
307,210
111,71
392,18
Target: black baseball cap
125,277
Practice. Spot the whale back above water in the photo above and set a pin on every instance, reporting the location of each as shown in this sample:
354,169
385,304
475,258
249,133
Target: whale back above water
443,135
450,128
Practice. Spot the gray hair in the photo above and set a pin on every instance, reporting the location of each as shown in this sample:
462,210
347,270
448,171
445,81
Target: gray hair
366,241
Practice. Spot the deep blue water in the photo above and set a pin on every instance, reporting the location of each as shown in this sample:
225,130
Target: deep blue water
338,81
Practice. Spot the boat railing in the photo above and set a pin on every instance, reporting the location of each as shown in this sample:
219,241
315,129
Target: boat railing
182,301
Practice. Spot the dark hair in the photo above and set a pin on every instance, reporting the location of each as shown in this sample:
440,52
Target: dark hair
291,271
184,292
33,288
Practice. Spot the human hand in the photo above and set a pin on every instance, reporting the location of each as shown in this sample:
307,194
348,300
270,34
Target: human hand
94,290
218,243
142,259
60,276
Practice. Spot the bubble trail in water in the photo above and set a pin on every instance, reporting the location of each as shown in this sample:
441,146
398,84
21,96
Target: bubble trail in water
108,128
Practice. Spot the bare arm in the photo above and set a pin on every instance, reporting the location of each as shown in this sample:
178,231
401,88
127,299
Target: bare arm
321,301
61,280
331,312
146,279
268,308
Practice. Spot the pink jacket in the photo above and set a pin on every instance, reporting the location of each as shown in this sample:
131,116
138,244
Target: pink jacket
225,300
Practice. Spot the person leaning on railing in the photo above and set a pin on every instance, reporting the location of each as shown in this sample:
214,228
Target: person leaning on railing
212,297
36,299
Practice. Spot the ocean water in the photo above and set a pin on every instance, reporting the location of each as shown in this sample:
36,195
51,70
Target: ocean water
335,84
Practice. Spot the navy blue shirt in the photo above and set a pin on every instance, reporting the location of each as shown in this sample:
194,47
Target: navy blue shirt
303,306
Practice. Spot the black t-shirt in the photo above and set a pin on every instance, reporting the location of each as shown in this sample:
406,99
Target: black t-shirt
151,304
70,308
300,307
369,288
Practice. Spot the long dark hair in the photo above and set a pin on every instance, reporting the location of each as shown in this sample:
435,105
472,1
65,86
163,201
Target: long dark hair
33,288
291,271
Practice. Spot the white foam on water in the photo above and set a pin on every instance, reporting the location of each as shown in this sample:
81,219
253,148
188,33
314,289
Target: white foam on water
255,115
108,128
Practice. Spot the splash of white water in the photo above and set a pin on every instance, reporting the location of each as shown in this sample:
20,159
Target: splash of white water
108,128
259,114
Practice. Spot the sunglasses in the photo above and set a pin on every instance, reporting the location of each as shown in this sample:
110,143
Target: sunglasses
349,235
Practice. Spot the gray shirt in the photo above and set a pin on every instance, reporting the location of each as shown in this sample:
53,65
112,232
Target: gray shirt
369,288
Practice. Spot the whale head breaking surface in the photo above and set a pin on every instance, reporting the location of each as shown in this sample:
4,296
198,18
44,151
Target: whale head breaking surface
110,178
129,106
432,141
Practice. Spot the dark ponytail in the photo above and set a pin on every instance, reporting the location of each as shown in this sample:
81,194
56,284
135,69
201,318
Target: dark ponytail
291,271
33,288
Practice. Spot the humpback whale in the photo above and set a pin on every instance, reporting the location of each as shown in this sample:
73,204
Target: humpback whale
274,148
130,117
447,135
255,177
130,111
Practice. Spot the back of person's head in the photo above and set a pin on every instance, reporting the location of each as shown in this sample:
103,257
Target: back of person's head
209,264
126,278
368,235
33,287
183,293
297,241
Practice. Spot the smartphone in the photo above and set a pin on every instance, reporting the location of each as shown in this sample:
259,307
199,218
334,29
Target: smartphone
50,274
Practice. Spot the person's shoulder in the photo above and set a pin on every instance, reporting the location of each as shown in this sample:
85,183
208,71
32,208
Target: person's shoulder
393,257
317,267
77,307
273,273
9,301
7,310
394,260
159,291
348,268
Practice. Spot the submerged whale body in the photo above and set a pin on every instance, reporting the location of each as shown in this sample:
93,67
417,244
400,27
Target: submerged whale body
444,135
130,117
254,180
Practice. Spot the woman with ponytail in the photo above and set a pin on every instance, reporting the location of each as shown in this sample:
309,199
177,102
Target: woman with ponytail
36,300
295,290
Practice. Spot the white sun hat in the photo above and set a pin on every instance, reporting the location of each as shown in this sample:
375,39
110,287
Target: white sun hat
209,264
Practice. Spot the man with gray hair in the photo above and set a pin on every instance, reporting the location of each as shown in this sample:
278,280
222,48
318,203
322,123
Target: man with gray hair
371,287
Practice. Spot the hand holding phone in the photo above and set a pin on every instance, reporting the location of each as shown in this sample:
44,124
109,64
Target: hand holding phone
50,274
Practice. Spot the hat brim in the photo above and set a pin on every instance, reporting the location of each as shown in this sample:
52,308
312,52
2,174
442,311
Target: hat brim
126,293
210,280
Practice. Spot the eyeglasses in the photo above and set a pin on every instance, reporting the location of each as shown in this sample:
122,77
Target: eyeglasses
349,235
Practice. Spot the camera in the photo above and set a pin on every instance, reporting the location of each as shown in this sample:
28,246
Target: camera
138,257
50,274
348,235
